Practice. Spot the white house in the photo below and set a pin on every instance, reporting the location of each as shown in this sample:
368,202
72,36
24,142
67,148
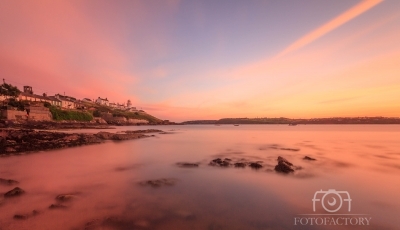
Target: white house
66,101
102,101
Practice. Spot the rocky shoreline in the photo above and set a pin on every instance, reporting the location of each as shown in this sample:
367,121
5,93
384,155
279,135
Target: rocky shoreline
19,141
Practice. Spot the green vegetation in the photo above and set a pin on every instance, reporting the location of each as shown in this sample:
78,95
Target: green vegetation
20,105
60,115
9,90
120,113
135,115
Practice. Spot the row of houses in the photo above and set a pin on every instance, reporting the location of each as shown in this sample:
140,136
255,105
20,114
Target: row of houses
70,102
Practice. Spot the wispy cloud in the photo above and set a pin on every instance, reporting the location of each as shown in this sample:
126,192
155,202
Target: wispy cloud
331,25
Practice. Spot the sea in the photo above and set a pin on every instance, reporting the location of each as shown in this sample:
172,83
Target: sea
353,183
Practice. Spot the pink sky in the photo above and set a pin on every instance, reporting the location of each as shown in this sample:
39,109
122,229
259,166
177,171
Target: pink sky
185,60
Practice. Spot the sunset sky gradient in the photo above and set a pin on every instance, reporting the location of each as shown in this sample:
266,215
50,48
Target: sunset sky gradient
185,60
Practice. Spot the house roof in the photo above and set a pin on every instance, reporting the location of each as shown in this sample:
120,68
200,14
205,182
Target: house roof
103,99
54,98
34,96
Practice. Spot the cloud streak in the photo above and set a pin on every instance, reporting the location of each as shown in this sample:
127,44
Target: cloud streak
331,25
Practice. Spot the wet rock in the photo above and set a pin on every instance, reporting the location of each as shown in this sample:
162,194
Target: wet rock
290,149
104,135
255,165
65,197
309,158
20,216
8,181
145,131
284,166
26,216
187,165
159,182
219,162
57,206
14,192
240,165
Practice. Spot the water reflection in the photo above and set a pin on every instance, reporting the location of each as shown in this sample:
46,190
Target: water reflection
107,180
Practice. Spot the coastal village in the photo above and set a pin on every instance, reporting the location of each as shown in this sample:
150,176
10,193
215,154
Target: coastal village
26,105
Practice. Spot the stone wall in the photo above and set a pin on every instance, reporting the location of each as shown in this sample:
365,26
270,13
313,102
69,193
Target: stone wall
37,113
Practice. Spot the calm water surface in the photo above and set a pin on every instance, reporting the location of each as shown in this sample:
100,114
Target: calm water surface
361,160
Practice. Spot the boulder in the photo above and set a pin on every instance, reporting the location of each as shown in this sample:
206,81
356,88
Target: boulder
219,162
255,165
8,181
187,165
14,192
284,166
309,158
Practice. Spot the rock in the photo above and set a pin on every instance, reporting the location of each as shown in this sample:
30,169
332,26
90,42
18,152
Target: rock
290,149
57,206
14,192
104,135
240,165
8,181
65,197
20,217
284,166
187,165
219,162
309,158
159,182
255,165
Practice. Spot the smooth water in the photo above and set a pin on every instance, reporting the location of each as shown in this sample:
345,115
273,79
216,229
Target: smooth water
362,160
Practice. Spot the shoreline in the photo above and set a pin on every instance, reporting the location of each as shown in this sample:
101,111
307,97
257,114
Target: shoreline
23,141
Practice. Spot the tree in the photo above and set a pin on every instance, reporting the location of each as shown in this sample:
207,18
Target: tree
9,90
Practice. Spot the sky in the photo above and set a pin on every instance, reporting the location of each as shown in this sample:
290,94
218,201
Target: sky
187,60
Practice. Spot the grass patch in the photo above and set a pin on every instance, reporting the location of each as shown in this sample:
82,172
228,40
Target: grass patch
60,115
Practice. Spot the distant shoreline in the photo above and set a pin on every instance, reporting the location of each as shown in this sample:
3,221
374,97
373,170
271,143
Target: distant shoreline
294,122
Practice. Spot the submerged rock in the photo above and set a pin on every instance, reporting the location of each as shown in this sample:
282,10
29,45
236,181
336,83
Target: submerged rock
57,206
65,197
187,165
219,162
26,216
159,182
309,158
8,181
284,166
17,191
255,165
240,165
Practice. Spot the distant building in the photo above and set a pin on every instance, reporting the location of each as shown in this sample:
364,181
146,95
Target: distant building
86,100
112,105
129,104
67,101
28,95
102,101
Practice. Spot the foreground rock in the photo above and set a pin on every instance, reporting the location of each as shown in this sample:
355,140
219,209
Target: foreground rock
14,141
53,125
65,197
227,162
159,182
284,166
8,182
17,191
26,215
187,165
309,158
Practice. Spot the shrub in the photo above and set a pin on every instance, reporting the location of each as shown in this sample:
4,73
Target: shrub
60,115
